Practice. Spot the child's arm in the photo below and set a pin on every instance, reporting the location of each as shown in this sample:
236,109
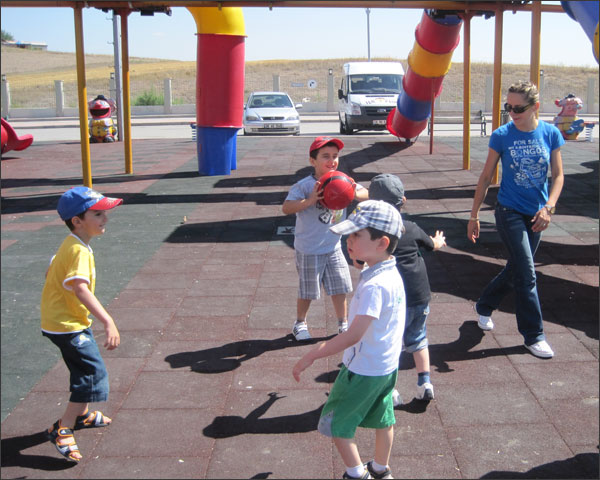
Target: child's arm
362,194
335,345
439,240
294,206
85,296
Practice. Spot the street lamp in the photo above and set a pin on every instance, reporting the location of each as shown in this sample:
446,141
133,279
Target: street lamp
368,10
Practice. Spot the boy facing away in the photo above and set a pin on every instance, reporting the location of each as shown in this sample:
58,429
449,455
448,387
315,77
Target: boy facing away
67,301
412,268
319,256
362,392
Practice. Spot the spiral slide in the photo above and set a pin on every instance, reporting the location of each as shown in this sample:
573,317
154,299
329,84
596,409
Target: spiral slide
436,37
219,86
10,139
586,14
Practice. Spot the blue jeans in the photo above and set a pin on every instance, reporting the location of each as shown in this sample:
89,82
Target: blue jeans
88,375
521,242
415,330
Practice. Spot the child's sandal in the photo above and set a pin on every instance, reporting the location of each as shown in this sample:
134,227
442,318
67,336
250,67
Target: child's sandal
65,449
91,420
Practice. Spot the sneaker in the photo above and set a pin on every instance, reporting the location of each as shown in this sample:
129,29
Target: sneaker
485,323
425,392
300,332
541,349
387,473
364,475
342,327
396,398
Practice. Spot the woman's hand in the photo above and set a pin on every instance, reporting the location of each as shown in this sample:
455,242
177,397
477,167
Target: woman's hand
473,230
541,220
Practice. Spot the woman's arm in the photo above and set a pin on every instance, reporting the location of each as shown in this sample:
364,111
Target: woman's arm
485,179
542,218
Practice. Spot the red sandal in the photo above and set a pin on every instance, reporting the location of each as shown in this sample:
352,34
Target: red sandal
66,449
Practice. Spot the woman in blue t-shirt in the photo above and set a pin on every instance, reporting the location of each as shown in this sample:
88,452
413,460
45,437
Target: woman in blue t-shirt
527,148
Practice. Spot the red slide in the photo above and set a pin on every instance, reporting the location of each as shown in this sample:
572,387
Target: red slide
10,139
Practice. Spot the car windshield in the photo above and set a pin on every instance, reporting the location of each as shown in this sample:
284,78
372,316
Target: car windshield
375,83
270,101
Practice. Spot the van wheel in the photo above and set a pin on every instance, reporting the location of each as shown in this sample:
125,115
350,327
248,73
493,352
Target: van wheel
349,129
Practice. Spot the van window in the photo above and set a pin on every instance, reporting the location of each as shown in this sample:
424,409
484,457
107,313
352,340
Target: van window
375,83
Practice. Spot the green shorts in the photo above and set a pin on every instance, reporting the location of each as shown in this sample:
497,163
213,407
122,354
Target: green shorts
358,401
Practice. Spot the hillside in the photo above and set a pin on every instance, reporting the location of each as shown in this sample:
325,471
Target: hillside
31,75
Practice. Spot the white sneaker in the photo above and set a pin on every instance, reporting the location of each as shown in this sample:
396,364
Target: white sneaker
396,398
541,349
485,323
342,327
425,391
300,332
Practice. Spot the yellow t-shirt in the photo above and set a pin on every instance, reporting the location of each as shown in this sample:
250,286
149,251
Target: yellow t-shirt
61,310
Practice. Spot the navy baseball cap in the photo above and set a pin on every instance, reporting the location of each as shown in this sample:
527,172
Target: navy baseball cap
79,199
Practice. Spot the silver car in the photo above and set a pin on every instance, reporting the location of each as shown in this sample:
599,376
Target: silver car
271,113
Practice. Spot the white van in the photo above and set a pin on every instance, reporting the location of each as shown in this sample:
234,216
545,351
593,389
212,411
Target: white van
368,92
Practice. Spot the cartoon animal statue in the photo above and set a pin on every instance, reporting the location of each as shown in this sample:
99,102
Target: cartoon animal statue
102,128
566,121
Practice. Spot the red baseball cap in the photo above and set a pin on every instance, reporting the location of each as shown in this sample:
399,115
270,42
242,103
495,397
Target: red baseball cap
320,141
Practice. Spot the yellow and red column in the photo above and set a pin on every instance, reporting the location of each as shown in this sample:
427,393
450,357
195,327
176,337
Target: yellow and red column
219,86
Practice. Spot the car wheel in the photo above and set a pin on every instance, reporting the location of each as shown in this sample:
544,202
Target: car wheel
342,128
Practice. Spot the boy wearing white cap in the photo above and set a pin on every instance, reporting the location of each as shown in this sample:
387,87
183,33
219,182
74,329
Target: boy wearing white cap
67,301
362,392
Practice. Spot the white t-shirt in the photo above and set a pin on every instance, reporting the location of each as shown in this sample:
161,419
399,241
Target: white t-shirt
379,294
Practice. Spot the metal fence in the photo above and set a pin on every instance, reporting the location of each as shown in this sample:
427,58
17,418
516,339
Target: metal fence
30,92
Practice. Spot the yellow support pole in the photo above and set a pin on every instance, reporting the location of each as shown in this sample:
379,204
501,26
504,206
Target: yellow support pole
126,93
536,29
497,80
467,92
82,97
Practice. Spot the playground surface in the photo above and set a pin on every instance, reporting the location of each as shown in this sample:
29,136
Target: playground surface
199,274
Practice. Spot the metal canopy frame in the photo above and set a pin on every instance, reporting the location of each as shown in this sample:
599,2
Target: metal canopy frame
466,9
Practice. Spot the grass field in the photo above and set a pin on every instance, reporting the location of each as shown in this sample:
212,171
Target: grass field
31,75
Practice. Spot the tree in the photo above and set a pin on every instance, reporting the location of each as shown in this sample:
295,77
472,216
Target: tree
6,36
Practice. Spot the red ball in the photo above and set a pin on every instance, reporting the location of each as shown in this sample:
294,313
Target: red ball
338,190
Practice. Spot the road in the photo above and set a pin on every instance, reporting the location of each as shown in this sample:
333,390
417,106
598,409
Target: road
67,130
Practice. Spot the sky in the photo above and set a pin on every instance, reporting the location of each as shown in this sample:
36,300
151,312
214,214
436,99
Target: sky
301,33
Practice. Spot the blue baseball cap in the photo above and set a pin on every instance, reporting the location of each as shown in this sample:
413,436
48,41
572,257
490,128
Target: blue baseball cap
79,199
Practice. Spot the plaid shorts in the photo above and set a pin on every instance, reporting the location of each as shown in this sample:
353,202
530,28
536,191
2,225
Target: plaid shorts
330,269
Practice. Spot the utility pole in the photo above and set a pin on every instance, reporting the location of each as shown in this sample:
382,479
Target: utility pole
119,93
368,10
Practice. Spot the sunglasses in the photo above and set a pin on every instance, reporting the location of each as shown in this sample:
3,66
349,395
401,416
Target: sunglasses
516,108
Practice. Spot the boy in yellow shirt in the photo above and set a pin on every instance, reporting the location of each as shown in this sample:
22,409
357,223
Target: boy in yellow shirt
67,300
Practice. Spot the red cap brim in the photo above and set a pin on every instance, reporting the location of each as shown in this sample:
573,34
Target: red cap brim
106,203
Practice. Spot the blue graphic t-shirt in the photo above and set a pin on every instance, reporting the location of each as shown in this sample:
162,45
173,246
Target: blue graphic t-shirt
525,158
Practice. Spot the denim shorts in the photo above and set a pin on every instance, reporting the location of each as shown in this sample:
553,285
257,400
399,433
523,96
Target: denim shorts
415,330
89,378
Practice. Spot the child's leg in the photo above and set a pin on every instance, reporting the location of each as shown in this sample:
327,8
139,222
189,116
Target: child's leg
384,438
340,306
73,410
421,358
302,309
348,450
